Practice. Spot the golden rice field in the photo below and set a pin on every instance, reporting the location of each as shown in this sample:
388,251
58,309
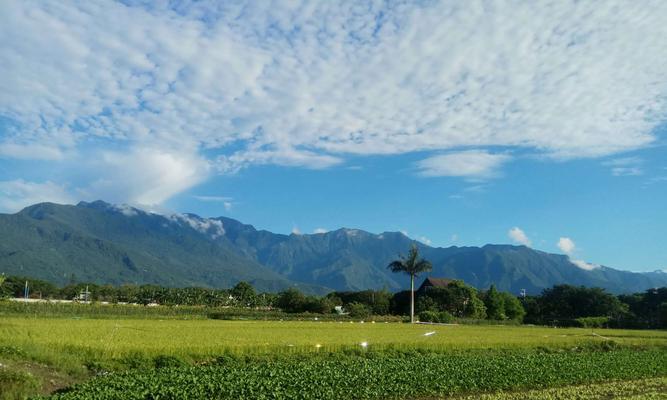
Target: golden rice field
43,354
200,338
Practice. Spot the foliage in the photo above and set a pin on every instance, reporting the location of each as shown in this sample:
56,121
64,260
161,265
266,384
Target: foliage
646,310
562,304
358,310
375,375
513,308
411,265
291,300
494,304
13,384
592,322
399,304
78,345
377,300
457,298
243,293
433,316
645,389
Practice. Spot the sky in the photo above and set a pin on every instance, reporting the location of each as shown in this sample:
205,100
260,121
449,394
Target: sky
458,123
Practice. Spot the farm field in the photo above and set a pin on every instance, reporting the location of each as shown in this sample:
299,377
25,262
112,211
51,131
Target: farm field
111,339
282,359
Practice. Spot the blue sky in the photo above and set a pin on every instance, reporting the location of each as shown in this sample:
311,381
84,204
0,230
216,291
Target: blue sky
458,123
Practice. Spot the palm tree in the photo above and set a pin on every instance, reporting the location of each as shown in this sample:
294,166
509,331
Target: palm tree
411,265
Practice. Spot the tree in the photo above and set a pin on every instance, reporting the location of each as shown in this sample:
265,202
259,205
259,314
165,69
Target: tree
358,310
513,308
291,301
494,304
2,280
244,293
411,265
456,298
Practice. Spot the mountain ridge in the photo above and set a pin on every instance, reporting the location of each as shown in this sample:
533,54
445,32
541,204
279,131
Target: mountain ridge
108,243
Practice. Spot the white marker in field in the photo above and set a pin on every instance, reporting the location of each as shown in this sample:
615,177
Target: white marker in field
429,333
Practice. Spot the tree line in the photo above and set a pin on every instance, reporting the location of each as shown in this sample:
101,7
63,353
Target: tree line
561,305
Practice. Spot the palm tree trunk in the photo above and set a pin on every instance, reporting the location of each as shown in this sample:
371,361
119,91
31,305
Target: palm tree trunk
412,298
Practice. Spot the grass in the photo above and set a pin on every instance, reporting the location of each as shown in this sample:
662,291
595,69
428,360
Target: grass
642,389
39,354
199,339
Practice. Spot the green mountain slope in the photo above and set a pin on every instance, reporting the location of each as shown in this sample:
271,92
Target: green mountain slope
106,243
102,243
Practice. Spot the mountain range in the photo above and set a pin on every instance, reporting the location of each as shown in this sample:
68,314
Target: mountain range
117,244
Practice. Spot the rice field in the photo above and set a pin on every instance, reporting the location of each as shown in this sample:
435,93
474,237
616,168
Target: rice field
199,339
42,354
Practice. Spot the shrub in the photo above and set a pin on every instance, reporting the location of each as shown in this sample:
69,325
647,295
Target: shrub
445,317
432,316
358,310
592,322
428,316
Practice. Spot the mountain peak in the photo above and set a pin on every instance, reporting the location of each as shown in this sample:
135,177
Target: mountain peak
99,204
110,243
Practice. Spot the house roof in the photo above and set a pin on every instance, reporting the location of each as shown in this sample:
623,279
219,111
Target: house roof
436,282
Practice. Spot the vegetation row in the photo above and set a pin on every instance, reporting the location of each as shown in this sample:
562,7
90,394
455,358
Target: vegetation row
562,305
374,375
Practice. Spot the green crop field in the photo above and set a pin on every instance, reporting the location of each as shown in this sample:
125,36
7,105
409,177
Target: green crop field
202,338
200,358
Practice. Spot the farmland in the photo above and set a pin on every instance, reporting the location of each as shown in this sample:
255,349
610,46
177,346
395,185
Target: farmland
171,357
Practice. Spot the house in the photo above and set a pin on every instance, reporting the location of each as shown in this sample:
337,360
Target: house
430,283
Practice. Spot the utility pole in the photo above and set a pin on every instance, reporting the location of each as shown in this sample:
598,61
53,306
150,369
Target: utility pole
25,290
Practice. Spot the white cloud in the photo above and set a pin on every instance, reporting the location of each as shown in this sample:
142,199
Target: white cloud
296,231
220,199
17,194
425,240
626,171
227,202
654,180
33,151
307,84
627,166
212,227
519,236
566,245
469,164
320,230
145,176
584,265
126,210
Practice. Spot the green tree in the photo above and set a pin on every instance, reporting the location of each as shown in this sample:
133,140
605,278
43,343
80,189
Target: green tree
457,299
512,306
411,265
2,291
291,301
493,300
244,293
358,310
